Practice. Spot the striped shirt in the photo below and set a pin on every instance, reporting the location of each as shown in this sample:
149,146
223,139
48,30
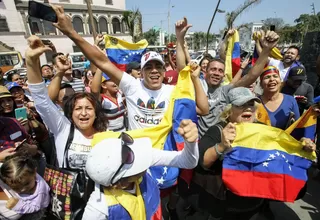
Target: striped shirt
218,99
77,85
115,112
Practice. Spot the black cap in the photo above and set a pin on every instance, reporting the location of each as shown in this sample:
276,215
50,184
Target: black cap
132,66
297,73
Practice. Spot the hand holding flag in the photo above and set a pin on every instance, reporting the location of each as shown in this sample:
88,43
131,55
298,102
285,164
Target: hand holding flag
308,144
228,135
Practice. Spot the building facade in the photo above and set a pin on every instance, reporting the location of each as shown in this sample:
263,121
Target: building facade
17,26
246,41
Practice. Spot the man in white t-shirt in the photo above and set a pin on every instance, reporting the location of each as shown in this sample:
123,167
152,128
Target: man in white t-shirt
147,100
289,58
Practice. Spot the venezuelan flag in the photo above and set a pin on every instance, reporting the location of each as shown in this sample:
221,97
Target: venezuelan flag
232,57
262,115
266,162
305,126
164,136
122,53
255,56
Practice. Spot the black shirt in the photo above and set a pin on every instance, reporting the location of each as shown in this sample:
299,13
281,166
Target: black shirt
305,89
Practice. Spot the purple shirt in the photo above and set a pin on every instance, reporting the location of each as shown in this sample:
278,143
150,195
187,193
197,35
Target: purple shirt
38,200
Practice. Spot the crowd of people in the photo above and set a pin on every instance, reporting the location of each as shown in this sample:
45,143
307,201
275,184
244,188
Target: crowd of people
66,108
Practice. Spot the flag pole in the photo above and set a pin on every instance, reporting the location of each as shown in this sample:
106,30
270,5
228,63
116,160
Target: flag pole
93,27
214,14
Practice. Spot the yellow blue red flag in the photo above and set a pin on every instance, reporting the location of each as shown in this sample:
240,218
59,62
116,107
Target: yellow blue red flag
305,126
164,136
121,52
266,162
232,57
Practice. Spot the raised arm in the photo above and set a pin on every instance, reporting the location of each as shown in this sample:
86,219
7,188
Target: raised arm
188,157
268,41
63,64
91,52
186,52
96,84
201,97
224,44
237,77
182,27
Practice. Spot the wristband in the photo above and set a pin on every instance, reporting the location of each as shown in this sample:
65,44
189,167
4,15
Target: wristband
217,151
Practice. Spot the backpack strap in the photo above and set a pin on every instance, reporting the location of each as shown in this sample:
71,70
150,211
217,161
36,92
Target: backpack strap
69,141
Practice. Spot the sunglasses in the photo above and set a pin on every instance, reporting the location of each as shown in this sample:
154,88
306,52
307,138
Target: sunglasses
127,155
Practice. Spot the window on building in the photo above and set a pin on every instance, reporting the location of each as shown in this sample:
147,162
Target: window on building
109,2
78,25
116,25
35,26
3,24
49,29
95,25
103,25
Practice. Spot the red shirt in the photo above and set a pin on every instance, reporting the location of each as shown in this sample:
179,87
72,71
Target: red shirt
171,77
10,132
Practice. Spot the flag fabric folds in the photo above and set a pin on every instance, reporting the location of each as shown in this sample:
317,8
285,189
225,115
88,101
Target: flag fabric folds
305,126
266,162
232,58
275,52
255,56
122,53
164,136
262,115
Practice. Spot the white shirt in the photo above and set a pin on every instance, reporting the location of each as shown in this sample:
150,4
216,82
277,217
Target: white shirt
114,112
279,64
59,125
97,207
146,107
7,213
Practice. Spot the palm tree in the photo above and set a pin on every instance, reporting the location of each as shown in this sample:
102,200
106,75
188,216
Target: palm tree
151,36
232,16
133,21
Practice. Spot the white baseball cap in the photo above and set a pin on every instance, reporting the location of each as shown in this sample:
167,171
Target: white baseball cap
105,159
151,56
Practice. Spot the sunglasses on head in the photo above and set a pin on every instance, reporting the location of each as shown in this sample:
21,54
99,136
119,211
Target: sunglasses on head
127,155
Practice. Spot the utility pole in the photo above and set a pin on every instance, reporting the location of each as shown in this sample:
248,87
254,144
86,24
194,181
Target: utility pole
214,14
169,21
93,27
313,9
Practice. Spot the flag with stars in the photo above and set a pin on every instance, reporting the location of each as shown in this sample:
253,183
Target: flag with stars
305,126
121,52
164,136
266,162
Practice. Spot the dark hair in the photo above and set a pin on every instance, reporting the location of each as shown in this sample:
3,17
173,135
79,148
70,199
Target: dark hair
215,60
10,114
54,56
15,169
45,66
75,73
100,122
9,77
294,47
206,57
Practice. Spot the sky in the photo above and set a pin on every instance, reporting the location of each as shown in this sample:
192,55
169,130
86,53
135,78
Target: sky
199,12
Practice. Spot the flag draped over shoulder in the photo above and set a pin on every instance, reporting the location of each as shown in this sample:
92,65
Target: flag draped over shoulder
164,136
305,126
122,53
266,162
232,57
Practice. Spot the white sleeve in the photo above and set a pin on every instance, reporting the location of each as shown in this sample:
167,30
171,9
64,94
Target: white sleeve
49,113
274,62
97,207
128,84
187,158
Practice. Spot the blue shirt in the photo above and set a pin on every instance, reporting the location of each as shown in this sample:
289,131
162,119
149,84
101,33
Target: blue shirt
280,117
